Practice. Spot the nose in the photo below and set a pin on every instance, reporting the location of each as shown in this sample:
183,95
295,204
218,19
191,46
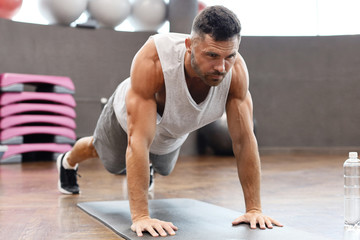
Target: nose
220,66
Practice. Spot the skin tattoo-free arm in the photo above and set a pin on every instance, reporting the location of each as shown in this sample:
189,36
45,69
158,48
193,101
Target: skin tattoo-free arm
146,80
240,122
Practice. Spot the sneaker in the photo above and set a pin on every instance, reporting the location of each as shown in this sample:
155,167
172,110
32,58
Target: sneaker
151,183
67,183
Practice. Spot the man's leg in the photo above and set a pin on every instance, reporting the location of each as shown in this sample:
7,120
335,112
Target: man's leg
164,164
67,164
82,150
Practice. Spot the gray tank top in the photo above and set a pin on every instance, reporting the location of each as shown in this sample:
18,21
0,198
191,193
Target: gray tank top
182,114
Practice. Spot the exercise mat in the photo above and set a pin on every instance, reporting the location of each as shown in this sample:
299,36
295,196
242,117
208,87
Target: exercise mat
196,220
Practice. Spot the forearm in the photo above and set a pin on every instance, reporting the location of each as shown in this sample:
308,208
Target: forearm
137,170
249,171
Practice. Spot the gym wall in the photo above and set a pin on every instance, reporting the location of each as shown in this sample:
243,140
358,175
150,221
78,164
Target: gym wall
305,89
96,60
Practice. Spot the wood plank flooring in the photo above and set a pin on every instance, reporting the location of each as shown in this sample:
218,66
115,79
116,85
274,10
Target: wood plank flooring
304,191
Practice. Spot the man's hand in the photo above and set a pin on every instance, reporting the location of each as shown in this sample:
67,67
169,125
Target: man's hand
256,217
154,227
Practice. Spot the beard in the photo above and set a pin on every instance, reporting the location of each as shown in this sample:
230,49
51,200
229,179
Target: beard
206,76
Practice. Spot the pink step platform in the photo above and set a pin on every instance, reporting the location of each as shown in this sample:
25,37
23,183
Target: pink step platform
11,135
15,120
13,152
18,108
7,80
9,98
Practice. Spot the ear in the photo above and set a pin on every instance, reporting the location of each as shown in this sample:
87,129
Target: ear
188,44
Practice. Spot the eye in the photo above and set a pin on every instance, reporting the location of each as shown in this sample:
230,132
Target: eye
212,55
231,56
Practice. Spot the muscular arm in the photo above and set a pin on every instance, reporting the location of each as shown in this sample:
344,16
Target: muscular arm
240,122
146,80
245,150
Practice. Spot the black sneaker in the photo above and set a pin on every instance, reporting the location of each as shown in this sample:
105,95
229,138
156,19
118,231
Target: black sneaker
151,183
67,183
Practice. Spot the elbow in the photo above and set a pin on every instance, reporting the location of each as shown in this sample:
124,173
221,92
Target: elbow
137,145
245,143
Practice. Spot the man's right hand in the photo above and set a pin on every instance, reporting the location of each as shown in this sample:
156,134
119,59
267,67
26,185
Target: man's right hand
154,226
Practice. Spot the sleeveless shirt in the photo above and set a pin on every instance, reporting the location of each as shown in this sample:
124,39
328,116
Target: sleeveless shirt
182,114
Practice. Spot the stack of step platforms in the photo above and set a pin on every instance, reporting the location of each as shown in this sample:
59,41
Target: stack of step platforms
37,116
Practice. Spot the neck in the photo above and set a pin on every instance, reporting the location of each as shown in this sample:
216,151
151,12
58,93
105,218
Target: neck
197,88
189,71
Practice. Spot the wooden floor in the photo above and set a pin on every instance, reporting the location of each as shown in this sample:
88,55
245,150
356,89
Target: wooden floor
303,191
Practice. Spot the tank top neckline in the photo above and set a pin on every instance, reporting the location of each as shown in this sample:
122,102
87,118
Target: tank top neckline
198,106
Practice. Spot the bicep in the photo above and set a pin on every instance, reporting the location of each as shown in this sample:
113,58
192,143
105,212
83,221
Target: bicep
146,80
141,119
239,107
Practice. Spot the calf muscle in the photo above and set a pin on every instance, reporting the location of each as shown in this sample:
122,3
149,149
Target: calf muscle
82,150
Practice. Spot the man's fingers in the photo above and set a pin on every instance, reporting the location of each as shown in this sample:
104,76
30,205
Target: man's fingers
239,220
276,223
169,228
154,227
253,223
268,222
159,228
152,232
136,229
261,223
139,232
173,226
257,218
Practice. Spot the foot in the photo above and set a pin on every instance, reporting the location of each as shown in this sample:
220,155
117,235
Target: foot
67,183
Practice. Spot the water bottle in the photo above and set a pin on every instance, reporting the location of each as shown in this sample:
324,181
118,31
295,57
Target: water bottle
352,190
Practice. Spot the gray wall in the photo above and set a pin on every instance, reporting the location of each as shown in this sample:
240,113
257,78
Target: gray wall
305,89
181,15
96,60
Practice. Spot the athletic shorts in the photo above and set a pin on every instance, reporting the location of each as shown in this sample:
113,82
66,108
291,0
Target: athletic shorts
110,142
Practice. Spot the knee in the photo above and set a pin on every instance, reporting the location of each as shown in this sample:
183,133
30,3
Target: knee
91,147
113,168
163,171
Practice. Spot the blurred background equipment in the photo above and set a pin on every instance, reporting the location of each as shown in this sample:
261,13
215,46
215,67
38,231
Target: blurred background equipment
201,6
37,114
148,15
215,138
109,13
8,8
62,12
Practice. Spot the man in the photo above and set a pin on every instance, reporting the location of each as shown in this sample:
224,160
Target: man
178,83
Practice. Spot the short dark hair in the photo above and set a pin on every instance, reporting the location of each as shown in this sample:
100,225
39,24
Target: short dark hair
217,21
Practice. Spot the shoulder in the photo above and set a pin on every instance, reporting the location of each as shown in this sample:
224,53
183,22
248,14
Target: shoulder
239,79
146,72
147,56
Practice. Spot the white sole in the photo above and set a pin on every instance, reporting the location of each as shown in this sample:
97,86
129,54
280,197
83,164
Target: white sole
63,191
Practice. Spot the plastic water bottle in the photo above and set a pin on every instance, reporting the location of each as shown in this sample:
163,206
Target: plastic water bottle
352,190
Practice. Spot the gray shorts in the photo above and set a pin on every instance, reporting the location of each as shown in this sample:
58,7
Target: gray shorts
110,142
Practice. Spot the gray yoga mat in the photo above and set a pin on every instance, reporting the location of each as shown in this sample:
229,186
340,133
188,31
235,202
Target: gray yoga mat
196,220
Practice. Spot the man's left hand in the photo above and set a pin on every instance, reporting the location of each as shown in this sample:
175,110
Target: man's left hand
256,217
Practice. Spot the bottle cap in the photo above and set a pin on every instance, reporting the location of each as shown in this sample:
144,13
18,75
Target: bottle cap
353,154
